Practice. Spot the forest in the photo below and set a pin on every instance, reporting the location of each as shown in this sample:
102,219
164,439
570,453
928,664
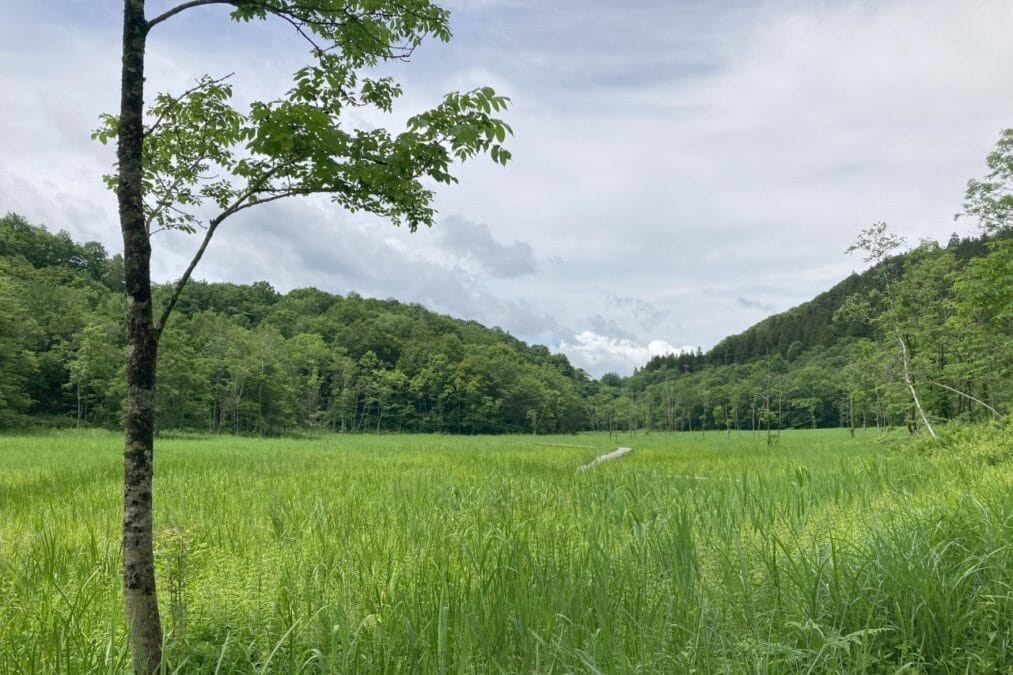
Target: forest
246,359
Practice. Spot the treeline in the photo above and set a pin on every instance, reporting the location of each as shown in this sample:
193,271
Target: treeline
839,360
249,360
935,321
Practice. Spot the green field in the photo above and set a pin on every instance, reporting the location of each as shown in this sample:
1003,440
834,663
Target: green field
434,554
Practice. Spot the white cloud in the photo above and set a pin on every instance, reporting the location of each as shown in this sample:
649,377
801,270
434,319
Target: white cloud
598,354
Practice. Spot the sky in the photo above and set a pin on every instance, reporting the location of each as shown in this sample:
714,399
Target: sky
682,168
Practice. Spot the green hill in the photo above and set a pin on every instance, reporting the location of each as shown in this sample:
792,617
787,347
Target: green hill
248,359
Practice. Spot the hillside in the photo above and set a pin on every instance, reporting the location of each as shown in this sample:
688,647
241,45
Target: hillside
247,359
836,360
814,323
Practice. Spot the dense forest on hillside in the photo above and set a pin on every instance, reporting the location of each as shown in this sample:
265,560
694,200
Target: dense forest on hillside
249,360
837,360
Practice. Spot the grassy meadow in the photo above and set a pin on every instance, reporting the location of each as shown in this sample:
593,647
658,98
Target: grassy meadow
436,554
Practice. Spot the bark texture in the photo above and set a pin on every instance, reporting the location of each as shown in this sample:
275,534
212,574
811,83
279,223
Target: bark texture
143,623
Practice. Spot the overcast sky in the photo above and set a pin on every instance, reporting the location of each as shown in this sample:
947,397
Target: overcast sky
681,169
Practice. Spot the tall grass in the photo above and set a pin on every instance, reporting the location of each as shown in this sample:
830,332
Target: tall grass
439,554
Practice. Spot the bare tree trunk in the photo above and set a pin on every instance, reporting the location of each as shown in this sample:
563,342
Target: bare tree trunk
995,413
910,385
780,416
876,408
141,603
851,413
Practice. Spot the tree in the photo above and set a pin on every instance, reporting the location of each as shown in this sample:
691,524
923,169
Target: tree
195,151
94,368
184,381
983,293
879,244
991,200
308,357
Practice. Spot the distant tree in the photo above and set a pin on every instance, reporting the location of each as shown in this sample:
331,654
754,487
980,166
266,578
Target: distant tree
195,150
983,318
718,413
18,363
308,356
611,379
95,372
990,201
184,381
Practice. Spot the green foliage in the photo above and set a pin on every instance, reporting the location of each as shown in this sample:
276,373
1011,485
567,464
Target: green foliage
40,248
984,291
836,361
990,201
200,150
248,360
987,444
50,289
96,372
18,361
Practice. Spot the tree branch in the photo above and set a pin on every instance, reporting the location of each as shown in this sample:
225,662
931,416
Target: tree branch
166,202
239,204
298,27
178,289
185,6
911,385
294,17
967,396
176,101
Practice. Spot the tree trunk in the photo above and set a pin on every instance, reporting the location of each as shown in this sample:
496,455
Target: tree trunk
961,395
851,413
143,624
911,386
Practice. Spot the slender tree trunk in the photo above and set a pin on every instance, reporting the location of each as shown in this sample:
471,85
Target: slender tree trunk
780,417
911,386
995,413
876,408
79,409
851,413
143,624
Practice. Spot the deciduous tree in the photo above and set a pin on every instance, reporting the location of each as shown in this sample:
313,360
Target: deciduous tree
195,151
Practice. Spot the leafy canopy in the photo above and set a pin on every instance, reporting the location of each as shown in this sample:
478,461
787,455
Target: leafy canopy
991,200
200,150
